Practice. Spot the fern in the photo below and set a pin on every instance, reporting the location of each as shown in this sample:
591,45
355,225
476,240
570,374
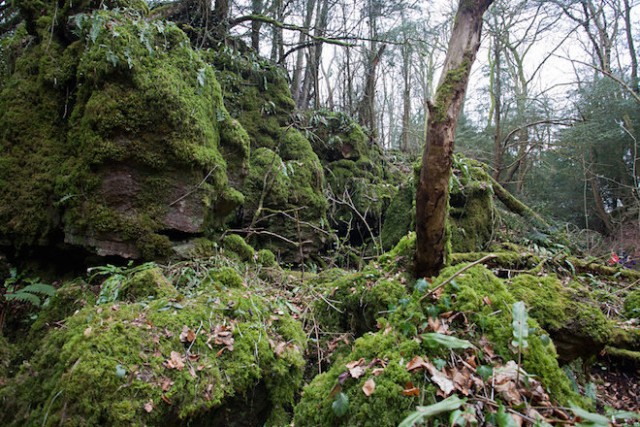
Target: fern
39,288
24,297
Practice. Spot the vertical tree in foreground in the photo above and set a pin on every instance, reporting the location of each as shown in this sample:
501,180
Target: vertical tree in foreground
433,187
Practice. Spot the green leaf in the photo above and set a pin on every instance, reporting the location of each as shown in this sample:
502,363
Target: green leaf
504,419
597,420
202,76
422,412
120,371
520,327
24,297
421,285
40,288
485,371
434,340
340,405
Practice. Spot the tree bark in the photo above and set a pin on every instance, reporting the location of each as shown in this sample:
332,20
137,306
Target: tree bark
432,198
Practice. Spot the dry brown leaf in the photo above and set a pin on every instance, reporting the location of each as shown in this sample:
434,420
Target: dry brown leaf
166,400
175,361
148,407
369,387
357,372
416,363
509,392
279,348
87,332
410,390
486,300
377,371
354,363
166,384
440,379
187,335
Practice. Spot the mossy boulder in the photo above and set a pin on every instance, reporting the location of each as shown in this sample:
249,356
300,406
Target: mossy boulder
471,209
189,359
285,197
113,138
237,245
359,184
482,303
632,305
574,320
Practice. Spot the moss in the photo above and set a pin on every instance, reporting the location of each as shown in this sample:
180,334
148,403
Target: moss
147,283
632,305
237,245
399,217
468,293
106,364
358,300
266,258
68,298
121,131
387,406
225,276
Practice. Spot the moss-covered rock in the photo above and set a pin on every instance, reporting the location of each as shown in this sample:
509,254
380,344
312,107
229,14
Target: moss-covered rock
115,135
236,244
284,195
578,327
163,362
471,208
632,305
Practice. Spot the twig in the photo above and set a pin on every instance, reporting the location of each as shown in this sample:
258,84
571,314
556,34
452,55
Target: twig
456,274
195,188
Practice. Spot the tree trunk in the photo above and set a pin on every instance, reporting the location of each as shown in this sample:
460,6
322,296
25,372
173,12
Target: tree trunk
432,198
631,46
406,97
497,108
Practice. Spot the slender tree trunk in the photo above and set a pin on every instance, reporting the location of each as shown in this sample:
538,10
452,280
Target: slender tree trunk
256,9
432,198
631,46
497,108
406,97
296,82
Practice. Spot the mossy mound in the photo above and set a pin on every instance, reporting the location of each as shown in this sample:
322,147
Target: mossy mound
359,185
471,208
578,327
286,209
477,298
632,305
256,93
193,359
114,134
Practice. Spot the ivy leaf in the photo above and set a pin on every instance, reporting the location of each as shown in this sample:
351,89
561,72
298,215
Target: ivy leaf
421,285
422,412
504,419
340,405
520,327
202,77
434,340
485,371
120,371
596,420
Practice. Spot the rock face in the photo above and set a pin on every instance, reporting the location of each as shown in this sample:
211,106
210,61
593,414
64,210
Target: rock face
115,136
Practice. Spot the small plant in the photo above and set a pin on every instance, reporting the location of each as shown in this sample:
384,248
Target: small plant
520,331
115,278
19,289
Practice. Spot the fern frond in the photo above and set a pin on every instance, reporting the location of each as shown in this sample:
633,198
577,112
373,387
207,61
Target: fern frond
39,288
24,297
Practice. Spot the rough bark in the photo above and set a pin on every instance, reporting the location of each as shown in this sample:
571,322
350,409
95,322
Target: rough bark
433,187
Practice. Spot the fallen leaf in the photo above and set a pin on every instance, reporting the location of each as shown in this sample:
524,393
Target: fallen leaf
369,387
148,406
166,400
279,348
87,332
192,371
486,300
377,371
357,372
410,390
355,363
166,384
416,363
440,379
187,335
175,361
